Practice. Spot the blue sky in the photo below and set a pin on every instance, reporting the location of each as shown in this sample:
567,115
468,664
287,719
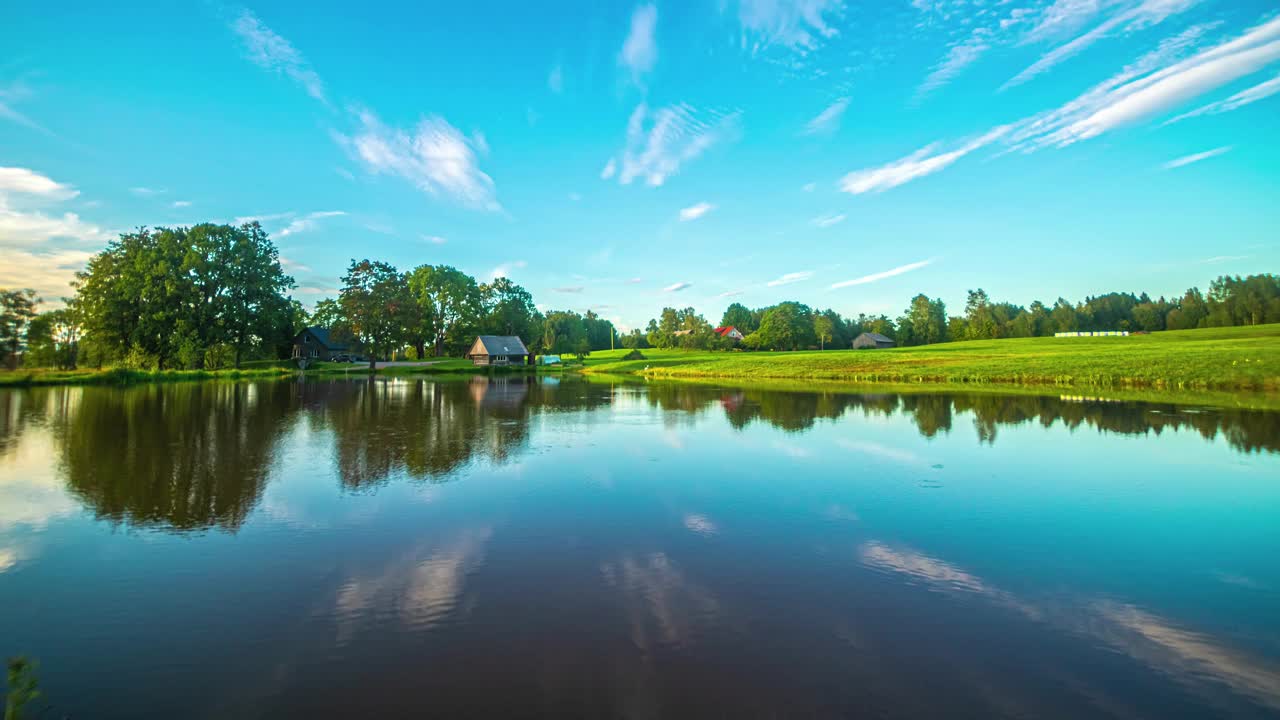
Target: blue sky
626,156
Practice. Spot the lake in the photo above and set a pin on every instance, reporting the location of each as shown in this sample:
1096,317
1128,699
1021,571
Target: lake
543,548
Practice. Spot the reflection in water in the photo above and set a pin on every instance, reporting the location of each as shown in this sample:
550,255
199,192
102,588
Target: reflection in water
565,547
1191,658
196,455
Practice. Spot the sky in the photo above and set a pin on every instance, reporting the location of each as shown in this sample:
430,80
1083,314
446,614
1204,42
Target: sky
623,157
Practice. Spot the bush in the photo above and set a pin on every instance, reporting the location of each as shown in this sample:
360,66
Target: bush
634,355
139,359
218,356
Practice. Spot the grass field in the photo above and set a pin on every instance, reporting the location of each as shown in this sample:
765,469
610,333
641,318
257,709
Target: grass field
1231,359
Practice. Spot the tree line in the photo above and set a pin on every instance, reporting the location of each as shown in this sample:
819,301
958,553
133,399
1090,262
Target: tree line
790,325
212,296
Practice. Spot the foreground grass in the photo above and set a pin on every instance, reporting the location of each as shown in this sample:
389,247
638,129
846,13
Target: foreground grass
124,376
1226,359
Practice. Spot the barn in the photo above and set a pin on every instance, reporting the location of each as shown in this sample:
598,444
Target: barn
870,340
498,350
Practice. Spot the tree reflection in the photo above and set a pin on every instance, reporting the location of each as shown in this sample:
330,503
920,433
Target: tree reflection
186,456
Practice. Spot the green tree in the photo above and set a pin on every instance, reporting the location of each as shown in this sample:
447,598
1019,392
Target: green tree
508,309
823,327
376,301
737,315
23,688
980,321
927,320
449,304
17,310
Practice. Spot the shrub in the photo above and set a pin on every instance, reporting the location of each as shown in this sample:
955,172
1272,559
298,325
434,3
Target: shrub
218,356
634,355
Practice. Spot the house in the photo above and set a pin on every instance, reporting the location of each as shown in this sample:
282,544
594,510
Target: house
498,350
872,340
731,332
314,343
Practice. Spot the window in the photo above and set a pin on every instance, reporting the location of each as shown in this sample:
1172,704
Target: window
306,339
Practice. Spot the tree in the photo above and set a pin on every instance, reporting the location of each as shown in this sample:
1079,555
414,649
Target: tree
508,308
377,303
927,320
786,326
242,286
449,306
981,324
737,315
823,327
17,310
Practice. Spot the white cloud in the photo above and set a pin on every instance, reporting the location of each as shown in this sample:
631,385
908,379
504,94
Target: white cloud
826,221
293,266
875,277
828,120
147,192
1188,159
1261,91
569,289
29,182
11,94
435,157
32,228
635,281
730,293
181,203
1143,15
1139,92
308,222
796,24
700,524
959,56
640,50
263,218
272,52
674,136
676,287
922,162
504,270
789,278
693,212
555,80
434,239
47,271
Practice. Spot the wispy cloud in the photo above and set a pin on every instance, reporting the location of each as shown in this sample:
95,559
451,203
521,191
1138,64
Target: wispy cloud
827,121
693,212
1261,91
555,80
181,203
30,182
1197,157
270,51
434,239
308,222
676,287
48,271
1140,16
504,270
730,293
826,221
958,57
659,142
147,192
789,278
568,289
799,25
435,157
11,95
925,161
876,277
635,281
700,524
640,50
809,187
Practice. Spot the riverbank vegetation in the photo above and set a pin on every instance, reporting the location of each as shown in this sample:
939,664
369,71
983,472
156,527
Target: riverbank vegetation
1234,358
1230,302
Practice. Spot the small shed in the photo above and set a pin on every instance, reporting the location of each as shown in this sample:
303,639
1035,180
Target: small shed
314,343
498,350
870,340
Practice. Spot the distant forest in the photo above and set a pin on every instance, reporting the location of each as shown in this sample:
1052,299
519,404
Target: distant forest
213,296
1252,300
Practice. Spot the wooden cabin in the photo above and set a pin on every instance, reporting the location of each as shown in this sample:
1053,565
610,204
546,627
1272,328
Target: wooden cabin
498,350
871,341
314,344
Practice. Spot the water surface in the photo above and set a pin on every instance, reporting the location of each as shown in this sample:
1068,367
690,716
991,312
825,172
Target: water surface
404,548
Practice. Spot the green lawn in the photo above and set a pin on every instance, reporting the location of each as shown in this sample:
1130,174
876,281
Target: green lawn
1241,358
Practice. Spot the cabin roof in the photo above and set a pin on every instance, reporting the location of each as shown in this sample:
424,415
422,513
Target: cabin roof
877,337
498,345
322,335
725,330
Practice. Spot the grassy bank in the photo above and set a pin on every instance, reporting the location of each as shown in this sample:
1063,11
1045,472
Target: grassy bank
1226,359
124,376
